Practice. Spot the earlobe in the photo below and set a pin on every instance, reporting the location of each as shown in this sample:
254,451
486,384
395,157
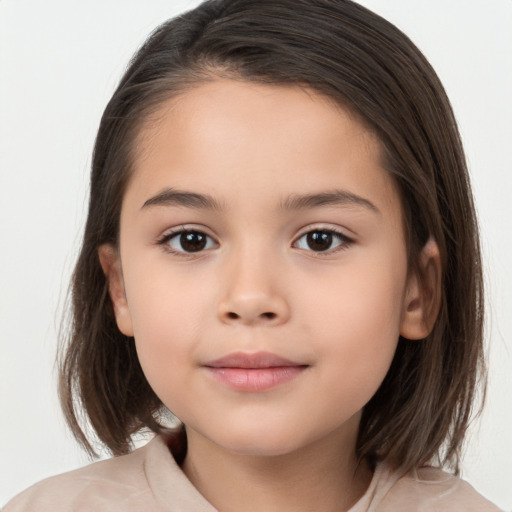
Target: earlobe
423,295
111,265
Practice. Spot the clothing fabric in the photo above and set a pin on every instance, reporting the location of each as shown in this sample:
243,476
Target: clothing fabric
149,480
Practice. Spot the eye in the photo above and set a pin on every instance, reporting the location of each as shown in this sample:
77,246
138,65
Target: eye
321,240
188,241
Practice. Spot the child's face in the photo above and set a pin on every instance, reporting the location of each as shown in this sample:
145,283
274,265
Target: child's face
295,252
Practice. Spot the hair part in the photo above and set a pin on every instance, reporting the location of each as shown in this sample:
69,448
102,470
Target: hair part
348,54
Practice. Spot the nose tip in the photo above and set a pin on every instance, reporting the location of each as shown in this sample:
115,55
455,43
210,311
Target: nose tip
253,288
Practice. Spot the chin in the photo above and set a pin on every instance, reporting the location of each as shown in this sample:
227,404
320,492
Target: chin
259,441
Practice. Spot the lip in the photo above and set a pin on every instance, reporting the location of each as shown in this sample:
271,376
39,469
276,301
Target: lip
255,372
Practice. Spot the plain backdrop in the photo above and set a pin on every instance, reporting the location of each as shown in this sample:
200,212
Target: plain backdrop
59,63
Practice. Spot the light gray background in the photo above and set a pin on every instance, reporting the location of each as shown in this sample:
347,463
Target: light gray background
59,63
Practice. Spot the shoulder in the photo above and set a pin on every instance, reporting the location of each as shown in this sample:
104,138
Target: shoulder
426,489
120,483
89,488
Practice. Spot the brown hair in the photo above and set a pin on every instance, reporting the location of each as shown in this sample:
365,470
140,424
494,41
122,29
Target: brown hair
338,48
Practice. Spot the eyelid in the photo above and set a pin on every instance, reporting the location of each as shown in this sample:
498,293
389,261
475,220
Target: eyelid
320,226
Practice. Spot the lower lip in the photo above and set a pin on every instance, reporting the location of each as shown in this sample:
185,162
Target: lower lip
256,379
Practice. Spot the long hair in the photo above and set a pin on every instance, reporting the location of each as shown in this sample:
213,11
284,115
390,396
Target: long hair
341,50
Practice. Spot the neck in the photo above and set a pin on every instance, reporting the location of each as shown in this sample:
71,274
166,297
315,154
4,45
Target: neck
322,476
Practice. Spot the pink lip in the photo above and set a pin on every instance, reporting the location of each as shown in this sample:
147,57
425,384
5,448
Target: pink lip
254,372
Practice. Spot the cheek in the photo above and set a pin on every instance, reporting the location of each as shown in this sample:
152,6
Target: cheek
168,315
355,324
164,299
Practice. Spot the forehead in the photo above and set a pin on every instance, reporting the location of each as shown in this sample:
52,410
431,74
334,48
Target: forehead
234,100
227,136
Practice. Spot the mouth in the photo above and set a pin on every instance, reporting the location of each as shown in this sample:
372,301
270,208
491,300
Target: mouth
256,372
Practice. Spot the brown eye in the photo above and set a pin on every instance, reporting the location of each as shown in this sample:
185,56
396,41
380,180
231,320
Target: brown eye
320,240
190,241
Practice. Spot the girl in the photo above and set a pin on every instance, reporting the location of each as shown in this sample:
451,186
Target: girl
281,249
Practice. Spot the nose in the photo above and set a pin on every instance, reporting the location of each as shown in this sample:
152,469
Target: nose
253,295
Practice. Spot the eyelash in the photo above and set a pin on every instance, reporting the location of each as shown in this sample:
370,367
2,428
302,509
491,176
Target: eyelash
344,241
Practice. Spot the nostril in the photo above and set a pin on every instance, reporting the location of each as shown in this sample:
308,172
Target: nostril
268,315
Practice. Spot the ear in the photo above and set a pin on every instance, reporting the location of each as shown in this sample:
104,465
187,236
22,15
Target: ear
111,265
423,295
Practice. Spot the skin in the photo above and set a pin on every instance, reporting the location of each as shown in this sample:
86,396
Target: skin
259,286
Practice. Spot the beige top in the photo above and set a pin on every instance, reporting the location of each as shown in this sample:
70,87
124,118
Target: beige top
149,480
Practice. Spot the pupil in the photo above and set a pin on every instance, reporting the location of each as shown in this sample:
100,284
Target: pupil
319,240
192,242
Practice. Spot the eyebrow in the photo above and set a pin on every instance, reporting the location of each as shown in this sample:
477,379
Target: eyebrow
334,198
173,197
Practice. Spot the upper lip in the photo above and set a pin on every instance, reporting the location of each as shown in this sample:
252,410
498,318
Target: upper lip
254,360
